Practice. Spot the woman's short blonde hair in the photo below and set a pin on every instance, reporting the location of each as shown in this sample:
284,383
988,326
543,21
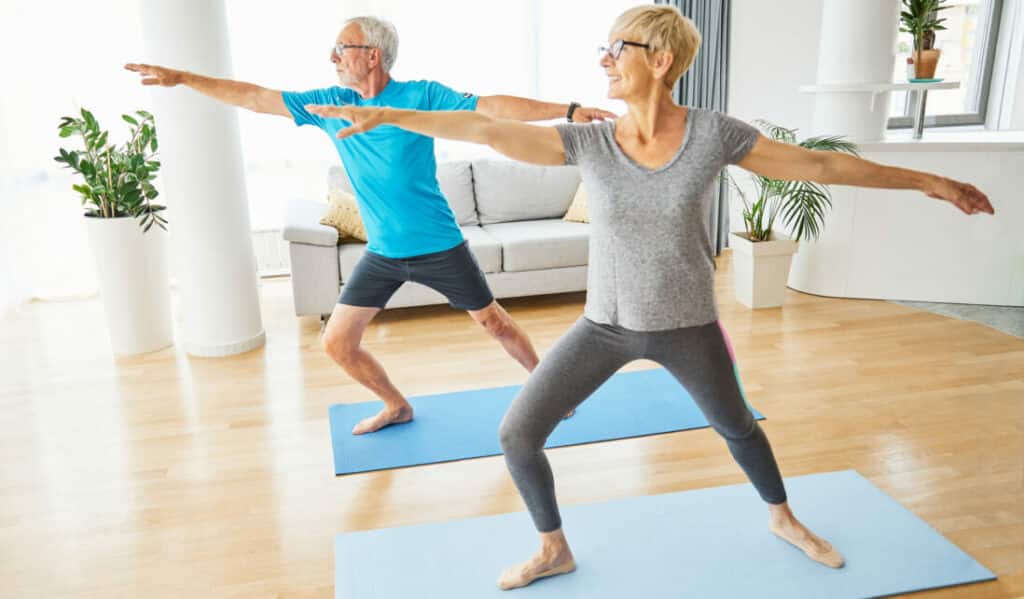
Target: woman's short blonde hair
664,28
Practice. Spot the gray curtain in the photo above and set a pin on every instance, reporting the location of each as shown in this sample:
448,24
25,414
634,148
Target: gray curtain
706,85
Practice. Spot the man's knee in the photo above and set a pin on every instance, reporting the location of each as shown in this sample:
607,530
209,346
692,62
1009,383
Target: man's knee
340,345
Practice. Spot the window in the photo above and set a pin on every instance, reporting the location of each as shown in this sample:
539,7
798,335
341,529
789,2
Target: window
968,51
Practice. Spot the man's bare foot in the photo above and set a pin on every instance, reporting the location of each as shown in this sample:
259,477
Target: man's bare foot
554,558
816,548
385,417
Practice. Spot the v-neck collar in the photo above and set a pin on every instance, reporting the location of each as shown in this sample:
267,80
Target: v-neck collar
687,128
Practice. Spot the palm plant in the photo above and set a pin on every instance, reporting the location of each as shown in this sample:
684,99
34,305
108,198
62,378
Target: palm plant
118,181
802,204
920,18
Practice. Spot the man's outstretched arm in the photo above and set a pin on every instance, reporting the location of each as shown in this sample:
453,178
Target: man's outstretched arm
236,93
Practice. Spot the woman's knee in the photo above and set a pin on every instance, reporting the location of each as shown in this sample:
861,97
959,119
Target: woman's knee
516,439
738,429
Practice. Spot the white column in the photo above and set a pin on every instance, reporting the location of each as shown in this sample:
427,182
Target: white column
203,182
858,45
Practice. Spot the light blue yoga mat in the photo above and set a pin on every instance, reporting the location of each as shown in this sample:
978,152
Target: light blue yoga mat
457,426
706,543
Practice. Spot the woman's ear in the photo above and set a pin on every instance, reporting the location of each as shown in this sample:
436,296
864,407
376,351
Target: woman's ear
662,62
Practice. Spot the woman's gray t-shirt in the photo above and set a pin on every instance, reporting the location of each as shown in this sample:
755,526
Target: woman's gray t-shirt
651,266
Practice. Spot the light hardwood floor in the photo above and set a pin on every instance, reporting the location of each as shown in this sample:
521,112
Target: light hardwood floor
171,476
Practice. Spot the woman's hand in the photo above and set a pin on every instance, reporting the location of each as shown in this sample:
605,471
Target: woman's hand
363,118
964,196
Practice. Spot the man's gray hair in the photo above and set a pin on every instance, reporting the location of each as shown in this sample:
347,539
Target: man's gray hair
379,34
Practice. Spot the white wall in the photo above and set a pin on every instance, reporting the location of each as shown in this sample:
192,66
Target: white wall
774,51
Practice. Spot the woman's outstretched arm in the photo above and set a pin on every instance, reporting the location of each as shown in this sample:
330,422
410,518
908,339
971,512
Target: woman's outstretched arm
517,140
793,163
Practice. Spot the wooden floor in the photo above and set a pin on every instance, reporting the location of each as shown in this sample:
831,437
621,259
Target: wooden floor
172,476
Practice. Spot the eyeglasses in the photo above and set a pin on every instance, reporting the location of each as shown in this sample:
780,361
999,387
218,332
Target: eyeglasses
615,50
339,48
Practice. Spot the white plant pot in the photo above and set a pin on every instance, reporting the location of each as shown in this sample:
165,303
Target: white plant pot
760,269
134,285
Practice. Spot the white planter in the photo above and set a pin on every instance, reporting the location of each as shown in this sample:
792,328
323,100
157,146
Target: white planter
760,269
132,272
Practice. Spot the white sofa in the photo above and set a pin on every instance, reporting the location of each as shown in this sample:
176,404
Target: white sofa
509,212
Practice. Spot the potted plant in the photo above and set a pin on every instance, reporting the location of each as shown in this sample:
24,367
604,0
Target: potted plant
920,18
760,255
131,257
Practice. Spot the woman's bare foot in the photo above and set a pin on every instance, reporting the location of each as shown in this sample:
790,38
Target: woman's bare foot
789,529
554,558
385,417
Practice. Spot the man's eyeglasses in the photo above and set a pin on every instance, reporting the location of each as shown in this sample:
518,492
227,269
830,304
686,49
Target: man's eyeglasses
339,48
615,50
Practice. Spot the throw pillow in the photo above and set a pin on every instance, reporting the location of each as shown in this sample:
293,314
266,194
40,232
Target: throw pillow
343,215
577,212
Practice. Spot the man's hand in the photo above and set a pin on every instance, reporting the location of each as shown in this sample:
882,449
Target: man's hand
154,75
363,118
586,115
964,196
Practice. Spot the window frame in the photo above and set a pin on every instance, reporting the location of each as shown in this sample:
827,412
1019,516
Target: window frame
906,120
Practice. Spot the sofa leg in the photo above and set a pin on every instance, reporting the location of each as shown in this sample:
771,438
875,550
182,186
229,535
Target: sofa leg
323,322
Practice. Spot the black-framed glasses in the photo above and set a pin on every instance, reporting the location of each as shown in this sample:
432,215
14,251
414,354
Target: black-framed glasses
615,50
339,48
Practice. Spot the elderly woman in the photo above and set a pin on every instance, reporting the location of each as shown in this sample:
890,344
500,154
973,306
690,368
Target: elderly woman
650,291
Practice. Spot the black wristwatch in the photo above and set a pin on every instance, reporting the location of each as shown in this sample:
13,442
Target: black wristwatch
572,108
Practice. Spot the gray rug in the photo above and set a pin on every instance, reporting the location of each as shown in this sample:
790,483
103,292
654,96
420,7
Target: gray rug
1003,318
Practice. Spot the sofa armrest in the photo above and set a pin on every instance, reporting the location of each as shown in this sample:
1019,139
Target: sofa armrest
302,224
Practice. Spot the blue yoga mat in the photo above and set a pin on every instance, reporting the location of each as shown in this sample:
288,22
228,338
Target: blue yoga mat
706,543
457,426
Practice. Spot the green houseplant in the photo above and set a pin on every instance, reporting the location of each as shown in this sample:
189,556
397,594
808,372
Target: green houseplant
761,257
118,180
920,18
131,261
802,204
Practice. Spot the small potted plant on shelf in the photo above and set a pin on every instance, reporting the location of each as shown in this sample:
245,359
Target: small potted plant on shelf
761,256
920,18
131,258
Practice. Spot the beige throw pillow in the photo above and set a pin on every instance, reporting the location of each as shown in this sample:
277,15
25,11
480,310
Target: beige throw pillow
343,215
577,212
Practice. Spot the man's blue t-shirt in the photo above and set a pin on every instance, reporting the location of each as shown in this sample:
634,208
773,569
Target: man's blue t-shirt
393,172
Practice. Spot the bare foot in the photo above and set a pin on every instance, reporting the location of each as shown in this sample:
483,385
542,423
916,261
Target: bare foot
569,415
814,546
385,417
544,564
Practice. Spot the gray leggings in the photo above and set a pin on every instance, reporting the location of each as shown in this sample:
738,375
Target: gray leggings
698,357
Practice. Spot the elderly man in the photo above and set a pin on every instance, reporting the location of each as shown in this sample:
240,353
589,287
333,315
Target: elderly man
412,233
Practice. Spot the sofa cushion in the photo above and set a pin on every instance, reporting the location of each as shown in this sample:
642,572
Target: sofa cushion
508,191
454,178
541,244
486,249
302,224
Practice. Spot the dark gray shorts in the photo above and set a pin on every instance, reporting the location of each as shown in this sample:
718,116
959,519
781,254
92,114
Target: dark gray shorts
454,273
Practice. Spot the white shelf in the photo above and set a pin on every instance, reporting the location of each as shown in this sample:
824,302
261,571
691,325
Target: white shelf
875,87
